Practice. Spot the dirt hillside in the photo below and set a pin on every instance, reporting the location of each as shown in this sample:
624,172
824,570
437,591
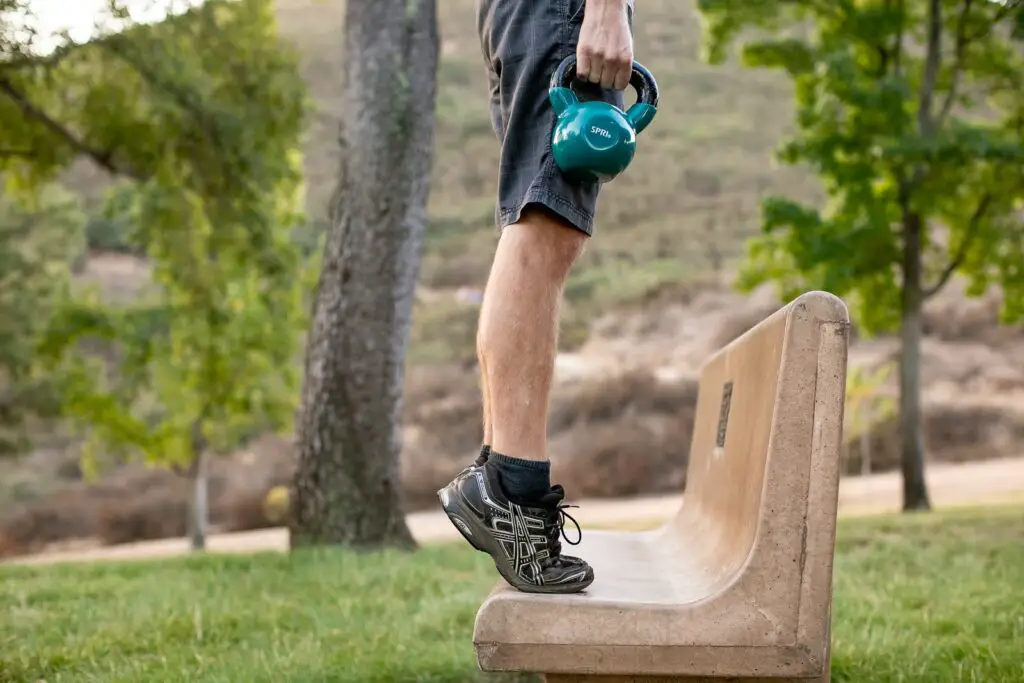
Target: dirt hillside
620,421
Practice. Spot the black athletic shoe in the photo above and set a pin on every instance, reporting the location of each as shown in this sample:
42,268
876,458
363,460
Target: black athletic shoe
481,460
523,540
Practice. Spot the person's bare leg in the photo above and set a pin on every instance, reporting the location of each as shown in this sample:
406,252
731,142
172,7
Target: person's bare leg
485,394
518,332
504,504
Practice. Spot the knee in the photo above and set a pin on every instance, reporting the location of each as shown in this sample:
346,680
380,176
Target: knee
544,244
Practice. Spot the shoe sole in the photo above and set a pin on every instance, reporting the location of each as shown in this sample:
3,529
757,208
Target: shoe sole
477,536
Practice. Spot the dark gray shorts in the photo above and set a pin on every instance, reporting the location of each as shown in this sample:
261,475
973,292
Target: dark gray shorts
523,42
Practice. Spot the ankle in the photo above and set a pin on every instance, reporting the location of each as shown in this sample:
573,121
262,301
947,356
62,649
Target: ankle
523,481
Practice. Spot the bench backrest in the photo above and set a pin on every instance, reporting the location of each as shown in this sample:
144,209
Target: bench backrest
763,477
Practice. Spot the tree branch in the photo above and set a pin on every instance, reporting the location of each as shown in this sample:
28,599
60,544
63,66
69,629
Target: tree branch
958,62
188,100
1005,10
897,47
926,96
961,253
925,120
883,51
103,157
8,153
21,60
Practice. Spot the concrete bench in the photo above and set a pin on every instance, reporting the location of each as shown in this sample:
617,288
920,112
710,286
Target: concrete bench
738,586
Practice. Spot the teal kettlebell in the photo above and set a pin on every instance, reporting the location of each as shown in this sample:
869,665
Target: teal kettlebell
595,140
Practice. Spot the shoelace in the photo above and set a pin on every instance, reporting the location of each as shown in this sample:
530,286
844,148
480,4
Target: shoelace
559,528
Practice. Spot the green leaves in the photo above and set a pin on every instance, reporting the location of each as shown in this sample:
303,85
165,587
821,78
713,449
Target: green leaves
211,93
40,237
793,56
202,114
215,345
895,139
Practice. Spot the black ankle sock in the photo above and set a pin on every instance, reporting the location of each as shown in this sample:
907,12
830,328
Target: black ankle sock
524,481
485,453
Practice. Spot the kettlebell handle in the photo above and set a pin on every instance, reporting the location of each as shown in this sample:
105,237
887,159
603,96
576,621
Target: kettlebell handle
641,79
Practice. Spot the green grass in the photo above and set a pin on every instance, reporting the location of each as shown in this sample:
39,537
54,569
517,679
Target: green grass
923,599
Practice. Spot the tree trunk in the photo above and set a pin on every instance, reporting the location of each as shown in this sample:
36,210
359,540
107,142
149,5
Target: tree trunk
865,445
347,485
199,508
915,493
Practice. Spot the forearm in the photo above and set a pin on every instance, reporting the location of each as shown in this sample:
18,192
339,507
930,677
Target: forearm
610,6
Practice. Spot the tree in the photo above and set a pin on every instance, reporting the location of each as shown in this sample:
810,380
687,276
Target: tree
40,237
204,362
203,113
867,404
347,486
911,113
208,102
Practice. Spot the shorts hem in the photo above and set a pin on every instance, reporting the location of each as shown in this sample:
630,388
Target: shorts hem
576,217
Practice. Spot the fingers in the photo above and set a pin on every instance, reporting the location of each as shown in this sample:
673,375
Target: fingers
610,70
615,71
596,68
583,65
622,75
589,64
